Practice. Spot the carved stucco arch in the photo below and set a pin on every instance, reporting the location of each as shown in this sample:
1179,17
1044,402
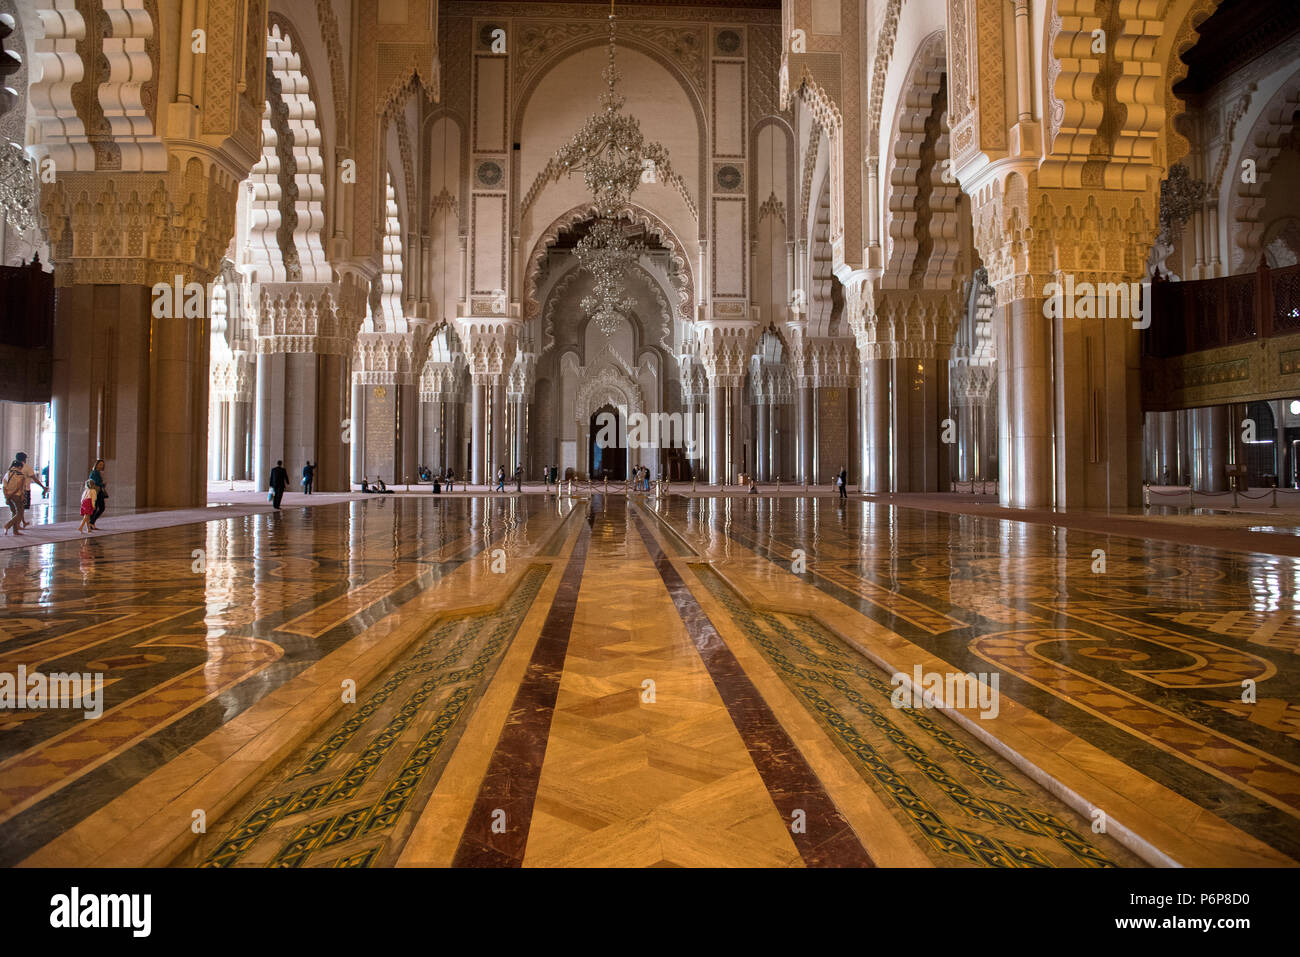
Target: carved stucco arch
305,147
906,218
426,133
1078,101
557,293
828,117
121,111
680,271
607,385
1263,144
791,165
562,53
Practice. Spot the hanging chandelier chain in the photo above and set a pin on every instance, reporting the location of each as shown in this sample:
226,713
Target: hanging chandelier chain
614,158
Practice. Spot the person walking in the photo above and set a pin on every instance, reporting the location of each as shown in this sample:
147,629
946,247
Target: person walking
501,478
843,481
18,481
451,478
101,493
88,496
279,481
519,478
308,476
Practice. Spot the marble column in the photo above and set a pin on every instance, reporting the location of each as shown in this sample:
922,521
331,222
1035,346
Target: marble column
876,409
1029,469
717,435
478,426
358,447
268,417
331,455
762,441
807,435
408,420
1210,440
498,430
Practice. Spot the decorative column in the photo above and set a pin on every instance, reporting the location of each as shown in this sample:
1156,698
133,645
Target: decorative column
305,342
490,343
724,350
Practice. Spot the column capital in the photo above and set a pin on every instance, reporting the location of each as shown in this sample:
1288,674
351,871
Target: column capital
489,342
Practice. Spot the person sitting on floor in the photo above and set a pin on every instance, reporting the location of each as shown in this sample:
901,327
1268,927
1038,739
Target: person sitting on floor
365,485
381,488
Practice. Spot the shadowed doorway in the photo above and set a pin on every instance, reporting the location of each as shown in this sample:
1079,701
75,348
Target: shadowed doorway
607,457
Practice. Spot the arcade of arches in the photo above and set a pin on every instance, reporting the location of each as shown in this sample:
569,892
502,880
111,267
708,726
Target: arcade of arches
1022,275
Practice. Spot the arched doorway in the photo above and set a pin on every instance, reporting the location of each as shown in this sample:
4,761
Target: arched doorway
605,450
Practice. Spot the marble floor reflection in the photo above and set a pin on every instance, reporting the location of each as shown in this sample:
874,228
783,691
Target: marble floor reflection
542,681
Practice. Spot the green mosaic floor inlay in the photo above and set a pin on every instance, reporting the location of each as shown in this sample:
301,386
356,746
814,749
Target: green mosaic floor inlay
967,806
368,777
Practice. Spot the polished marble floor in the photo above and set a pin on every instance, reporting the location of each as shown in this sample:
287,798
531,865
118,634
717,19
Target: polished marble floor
597,681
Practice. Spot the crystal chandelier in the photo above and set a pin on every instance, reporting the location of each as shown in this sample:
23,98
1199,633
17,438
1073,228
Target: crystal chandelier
607,254
614,159
610,150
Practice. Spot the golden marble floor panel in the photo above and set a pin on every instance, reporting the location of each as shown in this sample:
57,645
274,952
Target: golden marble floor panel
351,796
185,624
644,766
1120,641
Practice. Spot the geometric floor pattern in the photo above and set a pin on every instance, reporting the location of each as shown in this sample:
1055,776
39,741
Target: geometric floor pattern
354,796
664,702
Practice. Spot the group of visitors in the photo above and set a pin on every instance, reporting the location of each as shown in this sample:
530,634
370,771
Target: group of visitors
379,488
18,482
18,492
641,478
501,478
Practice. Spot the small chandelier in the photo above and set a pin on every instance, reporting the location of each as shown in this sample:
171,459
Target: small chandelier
607,254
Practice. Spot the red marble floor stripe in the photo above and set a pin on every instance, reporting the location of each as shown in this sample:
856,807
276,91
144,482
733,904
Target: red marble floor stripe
510,784
828,840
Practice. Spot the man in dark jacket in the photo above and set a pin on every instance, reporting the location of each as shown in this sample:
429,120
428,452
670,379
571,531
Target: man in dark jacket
279,482
308,476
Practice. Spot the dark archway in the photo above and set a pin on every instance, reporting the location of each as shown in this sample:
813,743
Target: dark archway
605,449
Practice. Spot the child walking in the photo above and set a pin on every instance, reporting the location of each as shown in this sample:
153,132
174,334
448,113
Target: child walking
88,497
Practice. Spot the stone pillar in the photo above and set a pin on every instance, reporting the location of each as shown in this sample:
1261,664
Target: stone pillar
498,429
717,434
478,439
762,440
1210,440
876,375
330,454
807,434
408,430
1029,471
358,447
268,442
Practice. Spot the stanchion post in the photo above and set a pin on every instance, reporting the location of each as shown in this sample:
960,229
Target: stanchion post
1274,505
